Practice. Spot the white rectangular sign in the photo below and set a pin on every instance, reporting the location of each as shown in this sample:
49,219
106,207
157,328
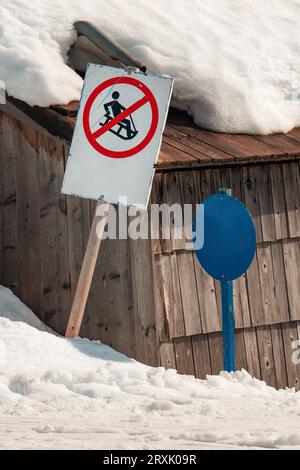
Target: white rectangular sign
117,136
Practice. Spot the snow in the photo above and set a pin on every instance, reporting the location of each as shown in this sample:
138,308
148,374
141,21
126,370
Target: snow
236,63
57,393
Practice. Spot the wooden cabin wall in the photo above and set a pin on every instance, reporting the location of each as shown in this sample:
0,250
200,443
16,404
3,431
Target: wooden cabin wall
42,242
172,315
266,299
264,351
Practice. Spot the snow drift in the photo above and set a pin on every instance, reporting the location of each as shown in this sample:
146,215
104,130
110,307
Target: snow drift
236,63
57,393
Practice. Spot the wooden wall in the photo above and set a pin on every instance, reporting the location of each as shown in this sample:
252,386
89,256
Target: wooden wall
151,300
266,299
265,352
43,238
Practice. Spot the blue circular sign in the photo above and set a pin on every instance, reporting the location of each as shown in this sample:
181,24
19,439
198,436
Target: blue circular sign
229,238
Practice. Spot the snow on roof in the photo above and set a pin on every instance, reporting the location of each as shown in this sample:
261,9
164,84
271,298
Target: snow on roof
236,64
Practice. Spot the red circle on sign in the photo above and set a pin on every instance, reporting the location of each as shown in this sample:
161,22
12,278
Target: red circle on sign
87,110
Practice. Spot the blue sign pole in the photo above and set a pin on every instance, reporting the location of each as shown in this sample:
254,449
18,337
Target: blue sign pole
228,250
228,326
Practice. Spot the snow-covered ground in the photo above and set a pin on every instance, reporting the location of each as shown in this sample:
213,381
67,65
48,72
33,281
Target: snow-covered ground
236,62
65,394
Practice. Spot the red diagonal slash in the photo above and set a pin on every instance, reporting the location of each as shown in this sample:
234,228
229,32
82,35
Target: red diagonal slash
120,117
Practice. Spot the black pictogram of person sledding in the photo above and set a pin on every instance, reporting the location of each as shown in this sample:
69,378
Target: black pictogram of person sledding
126,127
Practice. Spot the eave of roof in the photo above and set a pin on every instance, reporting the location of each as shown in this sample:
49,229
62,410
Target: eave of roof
184,145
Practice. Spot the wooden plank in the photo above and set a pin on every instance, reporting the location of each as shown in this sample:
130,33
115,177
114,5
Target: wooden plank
96,320
9,155
278,196
168,153
55,301
266,203
210,304
112,316
240,350
250,145
143,302
172,297
215,342
205,183
266,358
281,297
64,279
156,198
254,293
290,334
55,124
251,348
163,164
189,295
298,329
189,196
201,356
17,115
236,183
203,149
210,318
240,293
172,195
205,152
265,268
204,282
167,355
28,217
291,254
178,312
218,293
110,286
279,357
292,197
78,214
161,316
282,142
241,303
185,148
214,140
251,189
2,177
126,330
220,179
88,328
119,320
79,223
295,133
184,356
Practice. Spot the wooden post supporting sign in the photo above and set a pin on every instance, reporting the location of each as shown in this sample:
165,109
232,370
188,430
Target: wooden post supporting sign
115,145
87,270
228,250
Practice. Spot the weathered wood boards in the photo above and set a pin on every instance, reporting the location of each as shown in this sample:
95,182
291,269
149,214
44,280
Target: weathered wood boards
52,232
270,192
261,297
9,233
44,236
266,352
184,145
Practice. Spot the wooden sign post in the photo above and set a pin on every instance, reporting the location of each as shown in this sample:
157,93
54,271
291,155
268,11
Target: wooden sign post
228,250
115,145
87,270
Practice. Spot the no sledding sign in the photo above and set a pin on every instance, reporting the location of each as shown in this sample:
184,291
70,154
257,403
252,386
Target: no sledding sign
117,135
